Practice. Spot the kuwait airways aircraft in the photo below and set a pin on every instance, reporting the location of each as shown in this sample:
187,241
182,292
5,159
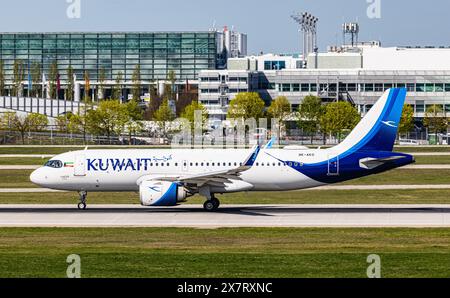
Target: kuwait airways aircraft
168,177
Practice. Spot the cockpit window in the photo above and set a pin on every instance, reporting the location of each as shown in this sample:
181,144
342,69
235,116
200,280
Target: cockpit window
54,164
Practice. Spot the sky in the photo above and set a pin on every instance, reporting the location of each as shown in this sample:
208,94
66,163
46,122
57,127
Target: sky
267,22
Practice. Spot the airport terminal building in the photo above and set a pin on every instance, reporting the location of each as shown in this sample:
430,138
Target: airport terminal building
357,74
157,53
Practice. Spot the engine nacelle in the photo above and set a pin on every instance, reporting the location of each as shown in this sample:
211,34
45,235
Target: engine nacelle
161,193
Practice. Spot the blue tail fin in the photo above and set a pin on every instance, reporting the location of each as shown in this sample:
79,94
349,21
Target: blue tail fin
378,129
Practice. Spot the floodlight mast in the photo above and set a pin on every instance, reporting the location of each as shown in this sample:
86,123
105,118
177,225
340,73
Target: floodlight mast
308,27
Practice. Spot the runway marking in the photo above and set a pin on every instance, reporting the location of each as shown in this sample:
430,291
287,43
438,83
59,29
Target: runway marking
226,216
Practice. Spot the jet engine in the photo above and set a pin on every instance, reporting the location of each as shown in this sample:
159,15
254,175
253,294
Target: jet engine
161,193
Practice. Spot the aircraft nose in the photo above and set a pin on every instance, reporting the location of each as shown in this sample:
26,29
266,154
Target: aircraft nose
37,177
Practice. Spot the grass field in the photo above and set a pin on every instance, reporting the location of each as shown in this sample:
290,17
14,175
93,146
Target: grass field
290,197
433,160
22,160
250,252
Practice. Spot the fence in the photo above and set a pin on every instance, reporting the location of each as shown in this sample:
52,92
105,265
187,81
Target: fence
48,107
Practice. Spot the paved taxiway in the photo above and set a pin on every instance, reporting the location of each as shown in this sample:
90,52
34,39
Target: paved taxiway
227,216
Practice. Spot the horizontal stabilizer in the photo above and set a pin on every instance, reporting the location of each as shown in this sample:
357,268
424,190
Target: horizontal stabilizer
372,163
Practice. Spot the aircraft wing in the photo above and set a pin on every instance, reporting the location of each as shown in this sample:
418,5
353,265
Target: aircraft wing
216,178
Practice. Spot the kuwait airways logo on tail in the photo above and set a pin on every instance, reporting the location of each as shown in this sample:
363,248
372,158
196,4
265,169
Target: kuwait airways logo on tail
390,123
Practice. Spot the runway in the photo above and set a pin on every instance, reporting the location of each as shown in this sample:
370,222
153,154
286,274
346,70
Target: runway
226,216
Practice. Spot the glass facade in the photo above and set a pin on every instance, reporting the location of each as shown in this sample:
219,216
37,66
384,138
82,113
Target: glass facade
186,53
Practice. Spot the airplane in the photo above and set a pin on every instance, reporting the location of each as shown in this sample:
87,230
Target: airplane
169,177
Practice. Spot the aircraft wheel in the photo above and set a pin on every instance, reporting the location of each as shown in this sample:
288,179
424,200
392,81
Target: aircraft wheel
81,206
210,206
216,202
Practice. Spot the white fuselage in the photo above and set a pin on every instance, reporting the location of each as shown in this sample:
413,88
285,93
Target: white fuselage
122,170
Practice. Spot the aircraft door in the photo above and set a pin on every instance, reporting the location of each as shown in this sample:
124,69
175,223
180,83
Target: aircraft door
80,165
333,165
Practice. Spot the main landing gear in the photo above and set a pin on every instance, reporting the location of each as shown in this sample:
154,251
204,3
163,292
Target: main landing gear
82,203
211,204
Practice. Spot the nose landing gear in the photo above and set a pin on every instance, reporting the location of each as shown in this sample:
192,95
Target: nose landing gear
82,203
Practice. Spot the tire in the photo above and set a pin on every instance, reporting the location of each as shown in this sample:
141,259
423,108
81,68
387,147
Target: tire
216,202
210,206
81,206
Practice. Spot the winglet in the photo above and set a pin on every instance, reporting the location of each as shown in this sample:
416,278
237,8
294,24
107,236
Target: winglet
252,158
270,143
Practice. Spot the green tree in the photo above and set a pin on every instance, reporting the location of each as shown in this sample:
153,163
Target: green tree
246,105
189,113
407,120
136,79
310,112
117,89
53,79
106,119
435,119
169,91
2,79
37,122
101,83
339,116
70,83
23,124
163,115
280,109
77,124
36,76
87,88
18,76
6,120
131,118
